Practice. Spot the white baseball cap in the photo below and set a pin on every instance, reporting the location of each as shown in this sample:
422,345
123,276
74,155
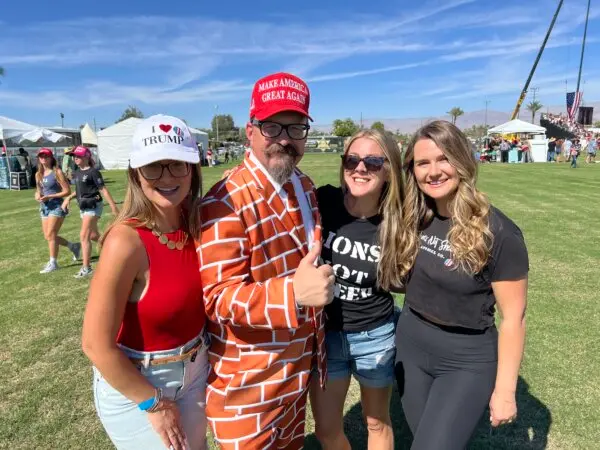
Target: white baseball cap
162,137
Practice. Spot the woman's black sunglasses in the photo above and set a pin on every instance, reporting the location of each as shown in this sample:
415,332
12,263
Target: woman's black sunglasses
372,163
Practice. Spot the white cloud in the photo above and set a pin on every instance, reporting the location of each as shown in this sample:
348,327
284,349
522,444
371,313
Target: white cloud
192,56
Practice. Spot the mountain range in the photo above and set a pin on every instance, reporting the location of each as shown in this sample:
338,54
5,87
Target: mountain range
467,120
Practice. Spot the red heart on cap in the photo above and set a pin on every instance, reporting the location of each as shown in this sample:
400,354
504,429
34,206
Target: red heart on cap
165,128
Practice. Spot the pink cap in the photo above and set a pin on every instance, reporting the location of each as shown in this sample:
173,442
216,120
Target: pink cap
80,151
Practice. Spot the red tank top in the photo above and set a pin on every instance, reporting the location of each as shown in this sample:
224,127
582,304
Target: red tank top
171,312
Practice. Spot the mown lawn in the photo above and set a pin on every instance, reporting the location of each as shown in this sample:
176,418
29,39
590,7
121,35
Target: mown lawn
45,381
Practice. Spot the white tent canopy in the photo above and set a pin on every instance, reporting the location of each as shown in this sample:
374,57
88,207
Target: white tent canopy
517,126
88,136
114,143
13,128
201,138
41,135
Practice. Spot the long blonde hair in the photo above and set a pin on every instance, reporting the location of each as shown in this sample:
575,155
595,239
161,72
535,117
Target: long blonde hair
393,251
137,206
470,236
39,174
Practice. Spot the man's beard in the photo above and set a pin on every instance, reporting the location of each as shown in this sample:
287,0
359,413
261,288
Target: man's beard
286,156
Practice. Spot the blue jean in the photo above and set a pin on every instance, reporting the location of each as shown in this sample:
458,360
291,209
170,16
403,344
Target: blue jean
96,212
574,161
52,207
184,382
550,157
368,355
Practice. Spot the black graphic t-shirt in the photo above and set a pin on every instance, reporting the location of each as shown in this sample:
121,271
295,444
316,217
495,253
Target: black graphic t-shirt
450,296
350,246
88,183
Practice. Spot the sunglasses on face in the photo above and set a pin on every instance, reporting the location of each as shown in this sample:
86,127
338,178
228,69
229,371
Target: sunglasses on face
372,163
154,171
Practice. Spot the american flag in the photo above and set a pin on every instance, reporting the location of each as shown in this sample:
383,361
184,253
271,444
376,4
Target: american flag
573,100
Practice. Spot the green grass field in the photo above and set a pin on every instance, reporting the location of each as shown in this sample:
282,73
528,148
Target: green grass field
45,380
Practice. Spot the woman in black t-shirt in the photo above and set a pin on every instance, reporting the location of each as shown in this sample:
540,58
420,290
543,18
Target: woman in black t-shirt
361,228
89,189
467,256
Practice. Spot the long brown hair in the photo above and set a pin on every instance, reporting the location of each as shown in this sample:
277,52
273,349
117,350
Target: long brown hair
470,236
137,206
393,250
39,174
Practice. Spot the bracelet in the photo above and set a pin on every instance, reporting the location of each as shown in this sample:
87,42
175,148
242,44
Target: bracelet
150,404
158,398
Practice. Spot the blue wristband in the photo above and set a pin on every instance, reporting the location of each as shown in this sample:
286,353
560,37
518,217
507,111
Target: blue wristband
147,404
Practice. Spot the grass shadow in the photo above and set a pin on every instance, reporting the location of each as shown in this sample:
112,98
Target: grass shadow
530,431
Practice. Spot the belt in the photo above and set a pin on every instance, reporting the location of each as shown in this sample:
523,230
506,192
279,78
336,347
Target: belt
190,354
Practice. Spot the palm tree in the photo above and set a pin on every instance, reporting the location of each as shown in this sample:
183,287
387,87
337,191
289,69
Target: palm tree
455,113
534,107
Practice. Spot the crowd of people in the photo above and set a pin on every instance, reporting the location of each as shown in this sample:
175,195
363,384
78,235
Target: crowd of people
231,309
567,150
500,149
562,120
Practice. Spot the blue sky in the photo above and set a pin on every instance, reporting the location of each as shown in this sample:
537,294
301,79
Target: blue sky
381,58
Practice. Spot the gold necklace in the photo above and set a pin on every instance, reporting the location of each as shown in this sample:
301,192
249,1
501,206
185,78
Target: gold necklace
171,245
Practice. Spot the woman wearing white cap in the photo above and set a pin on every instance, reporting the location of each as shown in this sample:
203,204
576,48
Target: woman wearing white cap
144,323
89,189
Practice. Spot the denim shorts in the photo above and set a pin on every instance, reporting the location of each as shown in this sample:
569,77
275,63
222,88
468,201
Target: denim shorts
96,212
368,355
183,382
52,207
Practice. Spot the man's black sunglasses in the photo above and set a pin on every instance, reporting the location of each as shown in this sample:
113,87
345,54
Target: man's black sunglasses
268,129
372,163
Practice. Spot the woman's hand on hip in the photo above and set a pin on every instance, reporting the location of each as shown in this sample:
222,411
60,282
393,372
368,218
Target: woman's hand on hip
166,421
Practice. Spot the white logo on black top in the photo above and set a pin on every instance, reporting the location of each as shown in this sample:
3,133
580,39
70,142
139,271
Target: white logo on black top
355,250
437,247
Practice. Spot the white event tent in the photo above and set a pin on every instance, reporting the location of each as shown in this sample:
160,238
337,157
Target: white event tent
539,143
517,126
114,143
10,128
88,136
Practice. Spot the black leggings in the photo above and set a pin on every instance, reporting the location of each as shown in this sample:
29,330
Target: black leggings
445,378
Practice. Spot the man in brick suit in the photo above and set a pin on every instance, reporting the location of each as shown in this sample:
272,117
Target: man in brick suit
261,238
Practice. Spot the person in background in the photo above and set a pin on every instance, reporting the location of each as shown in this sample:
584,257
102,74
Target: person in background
26,166
591,150
67,162
551,156
361,241
144,322
89,189
574,153
466,258
209,157
526,152
566,148
51,188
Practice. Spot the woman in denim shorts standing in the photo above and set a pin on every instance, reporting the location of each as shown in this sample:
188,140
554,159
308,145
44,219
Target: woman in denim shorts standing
144,324
89,189
51,188
361,223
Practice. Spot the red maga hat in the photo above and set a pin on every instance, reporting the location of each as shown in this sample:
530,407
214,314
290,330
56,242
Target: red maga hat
279,92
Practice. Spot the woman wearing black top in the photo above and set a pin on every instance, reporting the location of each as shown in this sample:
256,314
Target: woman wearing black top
89,189
361,230
451,362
